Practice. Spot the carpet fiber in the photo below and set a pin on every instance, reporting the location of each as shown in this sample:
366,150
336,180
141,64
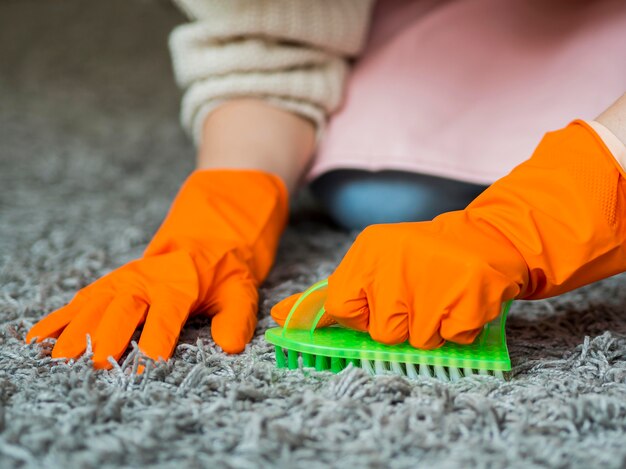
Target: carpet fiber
91,154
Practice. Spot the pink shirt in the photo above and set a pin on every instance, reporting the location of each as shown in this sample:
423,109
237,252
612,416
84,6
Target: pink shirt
465,89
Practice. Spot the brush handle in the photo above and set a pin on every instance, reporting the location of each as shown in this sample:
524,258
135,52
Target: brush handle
309,309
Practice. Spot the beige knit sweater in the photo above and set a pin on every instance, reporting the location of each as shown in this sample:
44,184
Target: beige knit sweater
292,53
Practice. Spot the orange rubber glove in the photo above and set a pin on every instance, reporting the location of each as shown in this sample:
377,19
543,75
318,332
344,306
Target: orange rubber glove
555,223
213,250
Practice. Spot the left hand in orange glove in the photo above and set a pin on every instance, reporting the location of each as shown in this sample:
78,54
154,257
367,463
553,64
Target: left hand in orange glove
555,223
213,250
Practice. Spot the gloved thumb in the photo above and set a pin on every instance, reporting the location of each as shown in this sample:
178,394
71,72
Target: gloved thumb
281,310
234,322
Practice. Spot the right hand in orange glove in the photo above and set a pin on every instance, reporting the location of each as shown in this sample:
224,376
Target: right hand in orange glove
555,223
213,250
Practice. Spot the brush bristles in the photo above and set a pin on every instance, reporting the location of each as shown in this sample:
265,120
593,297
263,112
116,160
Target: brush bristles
295,360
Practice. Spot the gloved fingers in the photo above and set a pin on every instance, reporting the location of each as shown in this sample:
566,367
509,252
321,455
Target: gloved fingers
460,328
235,317
429,342
73,340
388,314
347,300
480,303
424,319
454,286
163,325
428,308
281,310
471,313
54,323
347,304
120,320
463,337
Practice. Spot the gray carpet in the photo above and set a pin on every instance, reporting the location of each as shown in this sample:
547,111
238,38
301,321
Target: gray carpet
90,156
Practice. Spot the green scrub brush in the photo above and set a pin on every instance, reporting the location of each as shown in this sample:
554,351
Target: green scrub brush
300,344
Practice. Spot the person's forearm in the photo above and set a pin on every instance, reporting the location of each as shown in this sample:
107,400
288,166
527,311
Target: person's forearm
252,134
614,118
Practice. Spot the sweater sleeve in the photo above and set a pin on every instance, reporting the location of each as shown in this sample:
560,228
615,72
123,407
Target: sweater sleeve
292,53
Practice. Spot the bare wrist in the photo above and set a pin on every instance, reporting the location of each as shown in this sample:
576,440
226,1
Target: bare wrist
252,134
614,118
